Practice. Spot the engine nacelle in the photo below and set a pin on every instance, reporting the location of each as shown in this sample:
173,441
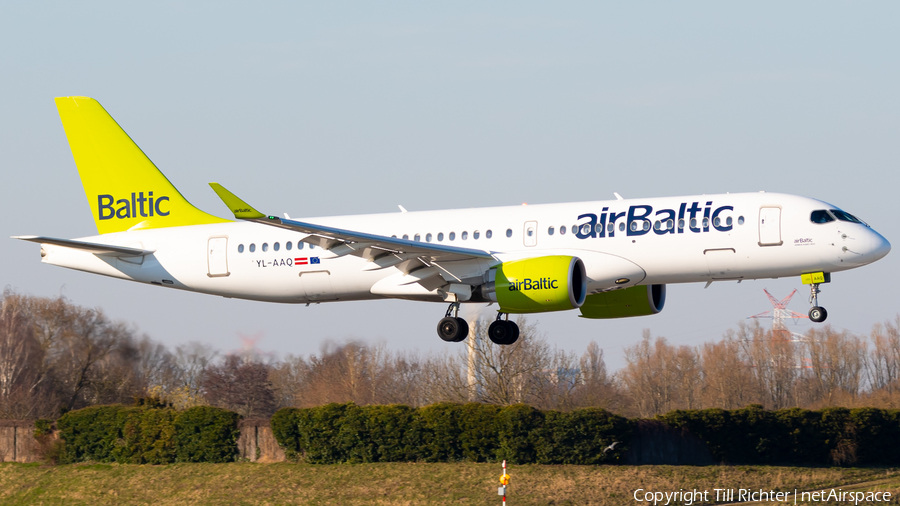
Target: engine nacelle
537,285
634,301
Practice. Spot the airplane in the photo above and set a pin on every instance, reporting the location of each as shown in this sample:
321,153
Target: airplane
606,259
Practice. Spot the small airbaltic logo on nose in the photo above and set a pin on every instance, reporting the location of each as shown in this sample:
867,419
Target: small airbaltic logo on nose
133,208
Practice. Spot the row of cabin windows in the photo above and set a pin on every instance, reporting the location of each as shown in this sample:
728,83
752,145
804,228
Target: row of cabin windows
464,235
275,247
645,225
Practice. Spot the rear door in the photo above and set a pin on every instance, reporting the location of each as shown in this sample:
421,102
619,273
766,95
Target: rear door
217,256
770,226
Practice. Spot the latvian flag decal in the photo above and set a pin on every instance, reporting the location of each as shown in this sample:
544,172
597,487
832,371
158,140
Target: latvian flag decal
306,261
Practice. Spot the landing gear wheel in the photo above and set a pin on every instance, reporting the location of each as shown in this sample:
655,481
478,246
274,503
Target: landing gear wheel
503,332
453,330
513,332
818,314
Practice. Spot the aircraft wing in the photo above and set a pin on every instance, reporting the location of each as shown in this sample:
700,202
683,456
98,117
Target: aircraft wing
93,247
342,242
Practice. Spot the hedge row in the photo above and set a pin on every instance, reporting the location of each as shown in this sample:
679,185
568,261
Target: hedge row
447,432
148,435
863,436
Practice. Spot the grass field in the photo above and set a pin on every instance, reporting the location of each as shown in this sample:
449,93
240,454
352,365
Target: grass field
399,484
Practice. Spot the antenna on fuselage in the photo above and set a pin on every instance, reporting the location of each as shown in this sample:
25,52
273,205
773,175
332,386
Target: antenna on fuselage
618,197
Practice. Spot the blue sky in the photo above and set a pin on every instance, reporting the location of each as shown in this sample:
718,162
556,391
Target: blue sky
354,107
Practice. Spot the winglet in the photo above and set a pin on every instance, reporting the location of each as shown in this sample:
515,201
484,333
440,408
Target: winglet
241,209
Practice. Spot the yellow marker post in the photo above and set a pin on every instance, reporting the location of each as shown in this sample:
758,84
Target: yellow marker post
504,481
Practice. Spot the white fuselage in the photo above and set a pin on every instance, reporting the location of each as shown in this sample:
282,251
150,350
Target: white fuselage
735,236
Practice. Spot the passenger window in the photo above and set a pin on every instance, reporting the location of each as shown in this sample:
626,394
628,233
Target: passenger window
476,234
670,224
252,247
465,235
405,237
452,236
299,244
550,231
693,222
488,234
276,246
622,227
428,237
585,229
728,221
681,223
265,246
740,220
562,230
312,246
611,228
657,225
417,238
509,232
240,248
717,221
288,245
705,222
633,226
440,236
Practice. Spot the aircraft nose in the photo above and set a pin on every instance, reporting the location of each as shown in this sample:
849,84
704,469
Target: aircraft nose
879,247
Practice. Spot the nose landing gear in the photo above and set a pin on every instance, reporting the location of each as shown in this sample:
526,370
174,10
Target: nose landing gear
453,329
503,332
817,313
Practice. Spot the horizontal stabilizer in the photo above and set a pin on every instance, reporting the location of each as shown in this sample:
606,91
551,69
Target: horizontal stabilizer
93,247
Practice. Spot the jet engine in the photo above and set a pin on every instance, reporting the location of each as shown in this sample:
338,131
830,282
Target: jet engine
633,301
537,285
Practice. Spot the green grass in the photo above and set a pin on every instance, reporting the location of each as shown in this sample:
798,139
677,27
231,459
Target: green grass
394,484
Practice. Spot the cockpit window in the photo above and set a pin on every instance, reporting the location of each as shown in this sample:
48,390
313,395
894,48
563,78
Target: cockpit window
841,215
820,216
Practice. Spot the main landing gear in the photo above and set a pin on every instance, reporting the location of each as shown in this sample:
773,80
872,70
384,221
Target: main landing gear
453,329
817,313
503,332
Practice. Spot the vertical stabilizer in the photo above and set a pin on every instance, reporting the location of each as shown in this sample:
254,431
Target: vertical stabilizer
124,188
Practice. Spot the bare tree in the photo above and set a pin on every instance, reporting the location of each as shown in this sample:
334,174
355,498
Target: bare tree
598,388
241,386
883,365
727,380
20,360
837,362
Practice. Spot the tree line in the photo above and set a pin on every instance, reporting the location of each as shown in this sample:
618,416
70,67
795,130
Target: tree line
56,356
